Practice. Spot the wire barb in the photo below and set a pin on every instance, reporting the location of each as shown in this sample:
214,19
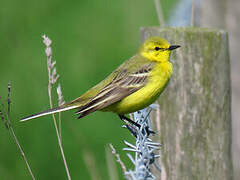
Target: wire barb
144,148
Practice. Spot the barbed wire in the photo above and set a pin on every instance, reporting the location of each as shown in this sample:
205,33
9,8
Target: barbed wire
145,148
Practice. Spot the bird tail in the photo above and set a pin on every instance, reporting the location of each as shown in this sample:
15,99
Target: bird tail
61,108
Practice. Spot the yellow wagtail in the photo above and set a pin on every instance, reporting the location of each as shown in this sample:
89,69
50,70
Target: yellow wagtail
134,85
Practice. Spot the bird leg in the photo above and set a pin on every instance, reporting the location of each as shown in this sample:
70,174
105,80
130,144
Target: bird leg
124,118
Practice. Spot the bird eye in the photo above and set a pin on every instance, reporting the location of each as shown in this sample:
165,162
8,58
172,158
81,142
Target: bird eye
157,48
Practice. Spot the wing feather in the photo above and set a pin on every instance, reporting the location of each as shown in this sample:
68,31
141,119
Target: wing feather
122,85
125,80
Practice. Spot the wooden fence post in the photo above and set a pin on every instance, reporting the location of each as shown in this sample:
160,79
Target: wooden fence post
195,109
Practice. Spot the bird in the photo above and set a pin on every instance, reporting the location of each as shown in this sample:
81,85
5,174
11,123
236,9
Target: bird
134,85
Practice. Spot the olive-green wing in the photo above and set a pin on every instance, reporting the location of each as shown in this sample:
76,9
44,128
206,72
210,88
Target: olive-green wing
127,79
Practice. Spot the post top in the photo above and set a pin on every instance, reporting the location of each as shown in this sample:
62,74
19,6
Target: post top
185,29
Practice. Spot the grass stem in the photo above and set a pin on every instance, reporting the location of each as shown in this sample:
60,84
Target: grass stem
8,125
193,12
52,78
159,12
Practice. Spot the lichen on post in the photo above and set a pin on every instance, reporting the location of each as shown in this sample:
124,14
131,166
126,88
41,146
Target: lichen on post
195,108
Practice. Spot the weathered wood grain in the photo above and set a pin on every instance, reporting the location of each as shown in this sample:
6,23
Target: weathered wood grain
195,109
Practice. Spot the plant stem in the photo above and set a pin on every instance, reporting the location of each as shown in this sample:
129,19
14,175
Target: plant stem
159,12
193,12
21,151
7,123
55,125
52,80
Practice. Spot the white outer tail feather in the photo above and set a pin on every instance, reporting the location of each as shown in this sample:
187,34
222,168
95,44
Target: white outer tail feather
50,111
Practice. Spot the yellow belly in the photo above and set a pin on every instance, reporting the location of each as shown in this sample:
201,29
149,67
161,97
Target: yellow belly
158,79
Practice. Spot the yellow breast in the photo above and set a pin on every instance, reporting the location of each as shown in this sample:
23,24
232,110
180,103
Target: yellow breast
158,79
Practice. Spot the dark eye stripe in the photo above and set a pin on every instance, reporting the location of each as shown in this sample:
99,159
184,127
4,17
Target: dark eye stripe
158,48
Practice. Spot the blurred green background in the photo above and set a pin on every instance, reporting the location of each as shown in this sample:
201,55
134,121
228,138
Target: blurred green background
90,39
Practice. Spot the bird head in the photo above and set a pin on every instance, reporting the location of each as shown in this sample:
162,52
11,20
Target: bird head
157,49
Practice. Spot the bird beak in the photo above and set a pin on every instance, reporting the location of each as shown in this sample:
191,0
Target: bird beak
172,47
